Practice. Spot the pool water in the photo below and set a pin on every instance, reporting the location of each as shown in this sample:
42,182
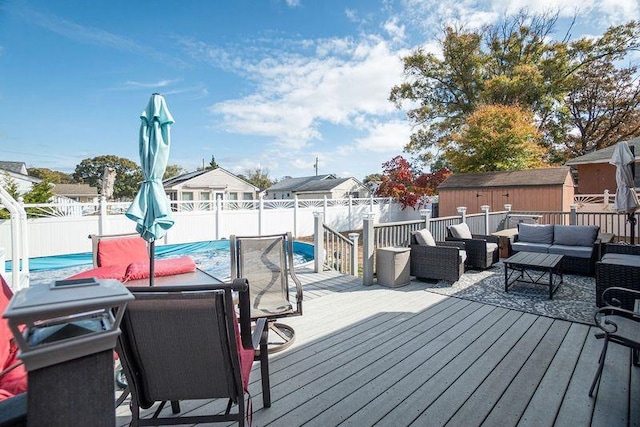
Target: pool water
212,257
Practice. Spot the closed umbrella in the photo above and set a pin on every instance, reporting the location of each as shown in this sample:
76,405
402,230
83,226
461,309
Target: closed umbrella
150,208
626,197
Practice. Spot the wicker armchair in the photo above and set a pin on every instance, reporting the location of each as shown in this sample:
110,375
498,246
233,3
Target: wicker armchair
482,251
619,267
441,262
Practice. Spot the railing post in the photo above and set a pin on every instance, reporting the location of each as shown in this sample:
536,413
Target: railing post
367,249
606,197
573,215
260,213
318,242
425,214
324,207
102,229
354,253
485,209
507,207
462,211
295,215
350,212
218,210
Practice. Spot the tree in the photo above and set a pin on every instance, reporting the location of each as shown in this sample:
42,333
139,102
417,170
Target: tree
41,192
128,174
258,177
173,170
428,182
397,182
11,187
496,138
54,177
375,177
514,62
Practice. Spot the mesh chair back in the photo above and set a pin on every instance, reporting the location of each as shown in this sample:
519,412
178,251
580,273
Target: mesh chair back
180,345
263,262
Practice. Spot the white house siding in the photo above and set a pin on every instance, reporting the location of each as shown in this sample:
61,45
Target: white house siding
213,185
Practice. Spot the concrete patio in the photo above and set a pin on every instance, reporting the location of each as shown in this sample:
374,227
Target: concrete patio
405,356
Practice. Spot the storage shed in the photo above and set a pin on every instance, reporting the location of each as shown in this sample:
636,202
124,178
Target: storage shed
548,189
596,174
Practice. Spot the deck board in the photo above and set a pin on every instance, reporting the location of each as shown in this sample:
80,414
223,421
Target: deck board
405,356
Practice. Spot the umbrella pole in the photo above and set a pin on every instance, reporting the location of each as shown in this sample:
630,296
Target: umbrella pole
152,250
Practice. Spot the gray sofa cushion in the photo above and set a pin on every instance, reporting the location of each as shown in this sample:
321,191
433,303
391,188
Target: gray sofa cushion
621,259
572,251
575,235
530,247
535,233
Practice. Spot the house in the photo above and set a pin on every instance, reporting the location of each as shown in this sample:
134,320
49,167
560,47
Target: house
210,184
595,173
17,172
317,187
547,189
82,193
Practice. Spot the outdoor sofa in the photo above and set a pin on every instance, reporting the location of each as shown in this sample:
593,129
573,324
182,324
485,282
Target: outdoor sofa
578,243
619,267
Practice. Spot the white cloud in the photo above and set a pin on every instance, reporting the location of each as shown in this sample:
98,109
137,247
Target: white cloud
389,137
297,94
293,3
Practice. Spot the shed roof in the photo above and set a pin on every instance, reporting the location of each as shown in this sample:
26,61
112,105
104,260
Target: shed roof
603,155
519,178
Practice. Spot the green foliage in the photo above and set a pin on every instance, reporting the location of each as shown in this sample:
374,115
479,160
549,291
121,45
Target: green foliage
258,177
52,176
375,177
516,63
173,170
496,138
10,185
41,192
128,174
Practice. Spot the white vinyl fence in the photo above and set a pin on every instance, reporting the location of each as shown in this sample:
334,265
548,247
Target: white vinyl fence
55,229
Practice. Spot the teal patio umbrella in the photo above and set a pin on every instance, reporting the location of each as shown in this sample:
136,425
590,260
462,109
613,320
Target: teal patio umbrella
150,208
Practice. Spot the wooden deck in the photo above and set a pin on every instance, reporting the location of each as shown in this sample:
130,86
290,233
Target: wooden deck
398,357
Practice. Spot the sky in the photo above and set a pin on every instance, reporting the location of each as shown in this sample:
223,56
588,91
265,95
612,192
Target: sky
269,84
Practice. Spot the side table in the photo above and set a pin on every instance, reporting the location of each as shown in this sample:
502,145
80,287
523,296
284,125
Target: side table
392,266
504,240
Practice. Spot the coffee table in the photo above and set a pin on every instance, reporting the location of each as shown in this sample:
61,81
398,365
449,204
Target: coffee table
536,268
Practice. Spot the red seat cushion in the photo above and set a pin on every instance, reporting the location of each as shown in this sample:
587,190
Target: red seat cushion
116,271
15,381
162,267
246,356
121,251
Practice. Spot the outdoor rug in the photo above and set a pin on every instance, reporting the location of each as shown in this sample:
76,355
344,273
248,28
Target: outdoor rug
574,299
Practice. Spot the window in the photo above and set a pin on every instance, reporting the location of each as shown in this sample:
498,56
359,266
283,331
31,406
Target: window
247,196
233,196
205,195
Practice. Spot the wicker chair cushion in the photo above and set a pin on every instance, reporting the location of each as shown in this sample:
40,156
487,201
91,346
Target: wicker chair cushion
460,231
491,247
575,235
424,237
535,233
621,259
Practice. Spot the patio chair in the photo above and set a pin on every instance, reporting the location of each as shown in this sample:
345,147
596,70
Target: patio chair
618,325
482,250
267,263
433,260
184,343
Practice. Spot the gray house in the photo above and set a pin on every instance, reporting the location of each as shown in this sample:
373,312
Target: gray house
17,172
317,187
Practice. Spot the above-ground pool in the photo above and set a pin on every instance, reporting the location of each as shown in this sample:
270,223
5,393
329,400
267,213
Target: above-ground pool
211,256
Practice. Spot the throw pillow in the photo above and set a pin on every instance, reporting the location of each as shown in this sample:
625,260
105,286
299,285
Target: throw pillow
535,233
162,267
460,231
424,237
